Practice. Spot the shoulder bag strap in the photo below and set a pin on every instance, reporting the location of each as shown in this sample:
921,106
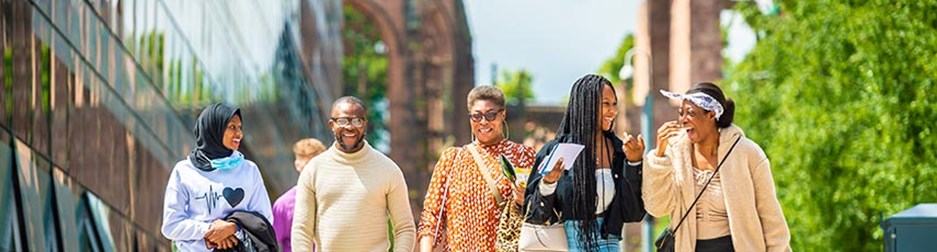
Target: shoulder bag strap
705,186
492,185
445,196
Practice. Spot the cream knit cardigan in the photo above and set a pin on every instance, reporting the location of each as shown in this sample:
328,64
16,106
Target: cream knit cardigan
756,221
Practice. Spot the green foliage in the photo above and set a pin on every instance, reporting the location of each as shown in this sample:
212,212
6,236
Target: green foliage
840,95
517,86
613,65
155,53
364,69
180,85
8,79
45,76
390,235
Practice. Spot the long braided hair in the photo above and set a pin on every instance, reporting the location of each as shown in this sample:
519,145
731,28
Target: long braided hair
580,123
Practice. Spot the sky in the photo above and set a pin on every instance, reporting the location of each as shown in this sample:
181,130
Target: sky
558,41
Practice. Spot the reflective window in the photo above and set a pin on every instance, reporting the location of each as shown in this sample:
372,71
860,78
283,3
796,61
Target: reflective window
32,175
88,238
9,222
97,95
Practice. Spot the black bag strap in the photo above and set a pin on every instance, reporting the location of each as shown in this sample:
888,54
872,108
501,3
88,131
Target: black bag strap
706,186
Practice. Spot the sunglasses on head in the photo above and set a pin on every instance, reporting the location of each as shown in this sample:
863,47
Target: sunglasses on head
490,116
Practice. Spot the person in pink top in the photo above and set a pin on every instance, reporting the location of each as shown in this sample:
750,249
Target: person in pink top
304,150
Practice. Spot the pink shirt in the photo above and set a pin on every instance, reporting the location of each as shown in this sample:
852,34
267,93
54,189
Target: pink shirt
283,214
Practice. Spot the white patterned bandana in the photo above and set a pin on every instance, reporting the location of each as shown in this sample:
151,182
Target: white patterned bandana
700,99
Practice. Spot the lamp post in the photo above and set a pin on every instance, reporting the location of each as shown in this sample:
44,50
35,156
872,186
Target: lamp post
647,116
647,130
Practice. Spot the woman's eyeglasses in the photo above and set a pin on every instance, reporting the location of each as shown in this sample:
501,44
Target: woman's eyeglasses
690,112
344,121
490,116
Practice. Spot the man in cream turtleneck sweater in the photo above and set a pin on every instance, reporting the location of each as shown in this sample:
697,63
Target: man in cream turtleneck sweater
345,196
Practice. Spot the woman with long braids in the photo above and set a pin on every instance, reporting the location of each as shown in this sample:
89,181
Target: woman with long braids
602,191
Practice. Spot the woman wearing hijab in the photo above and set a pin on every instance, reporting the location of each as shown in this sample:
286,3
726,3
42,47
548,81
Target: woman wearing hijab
212,182
602,190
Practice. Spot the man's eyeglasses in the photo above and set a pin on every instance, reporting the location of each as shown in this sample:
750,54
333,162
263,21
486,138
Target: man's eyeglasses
490,116
344,121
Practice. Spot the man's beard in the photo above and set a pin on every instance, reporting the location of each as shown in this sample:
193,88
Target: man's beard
357,145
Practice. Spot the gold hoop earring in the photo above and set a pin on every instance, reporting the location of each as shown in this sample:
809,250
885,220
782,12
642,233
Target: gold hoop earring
505,130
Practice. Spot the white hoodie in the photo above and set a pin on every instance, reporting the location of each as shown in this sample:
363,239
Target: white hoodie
194,198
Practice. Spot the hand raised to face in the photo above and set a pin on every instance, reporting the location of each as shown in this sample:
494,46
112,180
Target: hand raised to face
664,134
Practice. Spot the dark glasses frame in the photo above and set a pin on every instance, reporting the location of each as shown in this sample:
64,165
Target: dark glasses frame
490,116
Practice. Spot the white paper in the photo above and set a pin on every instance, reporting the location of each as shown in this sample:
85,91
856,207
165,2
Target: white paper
567,151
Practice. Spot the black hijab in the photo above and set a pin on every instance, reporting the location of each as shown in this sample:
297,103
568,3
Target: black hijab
209,132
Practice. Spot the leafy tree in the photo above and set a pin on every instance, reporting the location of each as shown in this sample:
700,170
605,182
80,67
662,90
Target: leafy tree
364,69
841,96
613,65
516,86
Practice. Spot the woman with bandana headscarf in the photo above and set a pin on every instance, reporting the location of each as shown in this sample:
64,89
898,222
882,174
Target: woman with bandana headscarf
713,182
212,182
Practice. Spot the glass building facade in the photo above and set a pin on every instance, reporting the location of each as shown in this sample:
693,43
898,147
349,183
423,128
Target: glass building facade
99,99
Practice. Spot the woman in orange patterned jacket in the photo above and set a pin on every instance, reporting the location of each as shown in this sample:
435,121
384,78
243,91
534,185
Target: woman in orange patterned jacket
464,200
